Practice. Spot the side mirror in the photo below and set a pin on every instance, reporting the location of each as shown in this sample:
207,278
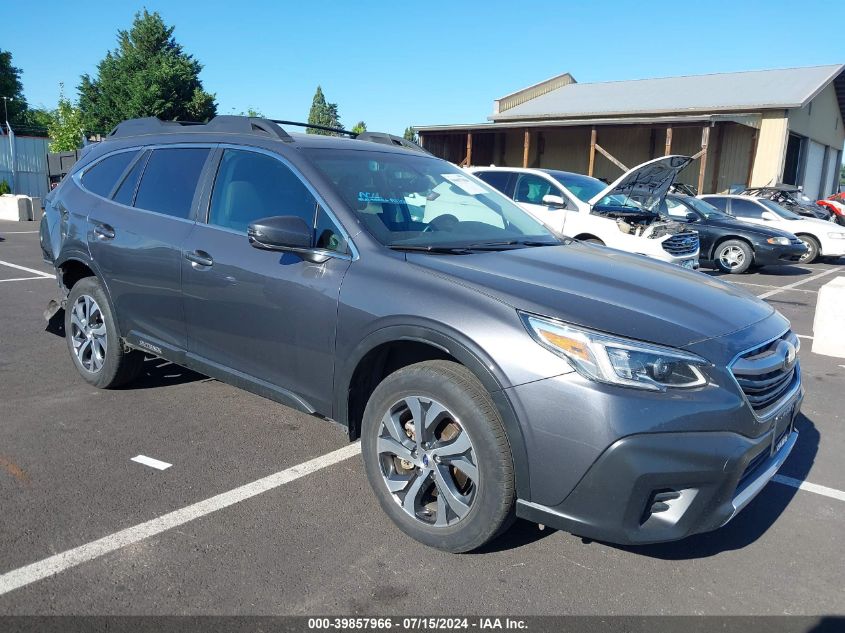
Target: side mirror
284,233
554,201
691,217
769,215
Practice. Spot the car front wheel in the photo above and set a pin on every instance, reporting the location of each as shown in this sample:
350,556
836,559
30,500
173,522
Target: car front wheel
813,249
437,456
734,256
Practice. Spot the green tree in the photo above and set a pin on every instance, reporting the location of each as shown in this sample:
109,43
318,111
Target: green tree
148,74
359,128
842,174
11,87
250,112
410,135
65,128
323,113
38,120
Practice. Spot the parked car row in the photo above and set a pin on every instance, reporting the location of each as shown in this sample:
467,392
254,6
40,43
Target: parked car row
638,214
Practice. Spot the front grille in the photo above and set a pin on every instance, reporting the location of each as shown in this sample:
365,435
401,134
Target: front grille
681,244
766,373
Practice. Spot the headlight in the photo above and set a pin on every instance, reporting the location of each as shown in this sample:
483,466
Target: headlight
616,360
836,236
783,241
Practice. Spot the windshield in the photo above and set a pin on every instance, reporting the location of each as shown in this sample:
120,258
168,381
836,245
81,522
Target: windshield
585,188
776,208
409,200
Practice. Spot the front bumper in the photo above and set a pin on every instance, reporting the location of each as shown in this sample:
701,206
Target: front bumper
773,255
655,487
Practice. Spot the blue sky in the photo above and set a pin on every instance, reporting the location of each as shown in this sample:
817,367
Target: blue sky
395,64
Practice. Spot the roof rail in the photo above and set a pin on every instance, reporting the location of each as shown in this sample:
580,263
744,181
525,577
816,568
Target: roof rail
223,123
248,125
390,139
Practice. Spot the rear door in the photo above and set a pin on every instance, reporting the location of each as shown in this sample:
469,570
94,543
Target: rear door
136,240
266,317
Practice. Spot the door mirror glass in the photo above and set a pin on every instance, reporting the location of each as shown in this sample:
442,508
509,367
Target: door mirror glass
284,233
768,215
551,200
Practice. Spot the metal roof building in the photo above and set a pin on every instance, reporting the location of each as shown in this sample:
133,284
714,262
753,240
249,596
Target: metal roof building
754,127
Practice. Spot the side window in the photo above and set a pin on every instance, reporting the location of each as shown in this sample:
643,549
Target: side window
746,209
126,191
250,186
326,234
496,179
170,179
531,189
719,203
102,177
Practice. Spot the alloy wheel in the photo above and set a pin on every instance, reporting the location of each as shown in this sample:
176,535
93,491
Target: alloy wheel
427,461
88,333
732,257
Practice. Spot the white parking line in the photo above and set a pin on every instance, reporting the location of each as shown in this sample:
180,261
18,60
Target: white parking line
16,232
52,565
745,283
804,336
833,493
780,289
152,463
29,270
24,279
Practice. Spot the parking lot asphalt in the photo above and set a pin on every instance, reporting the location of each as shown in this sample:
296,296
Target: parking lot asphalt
319,544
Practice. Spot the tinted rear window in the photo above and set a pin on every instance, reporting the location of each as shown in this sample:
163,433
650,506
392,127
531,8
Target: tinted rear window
170,180
497,179
126,191
102,177
719,203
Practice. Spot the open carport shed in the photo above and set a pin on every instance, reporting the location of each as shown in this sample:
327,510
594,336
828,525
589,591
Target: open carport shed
744,128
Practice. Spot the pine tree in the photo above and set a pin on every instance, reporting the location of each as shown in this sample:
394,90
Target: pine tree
11,86
323,113
148,74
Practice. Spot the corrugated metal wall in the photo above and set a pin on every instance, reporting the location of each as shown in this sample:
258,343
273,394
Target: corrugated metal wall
31,164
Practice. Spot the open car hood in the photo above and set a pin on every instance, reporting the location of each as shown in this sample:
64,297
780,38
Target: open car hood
647,183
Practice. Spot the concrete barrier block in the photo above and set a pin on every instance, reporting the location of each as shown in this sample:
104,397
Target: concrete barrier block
829,322
15,208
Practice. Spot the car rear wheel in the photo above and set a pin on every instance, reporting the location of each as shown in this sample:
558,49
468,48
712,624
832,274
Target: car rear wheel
92,338
734,256
437,456
813,249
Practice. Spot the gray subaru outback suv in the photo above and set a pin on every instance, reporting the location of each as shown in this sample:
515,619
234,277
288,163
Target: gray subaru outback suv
490,369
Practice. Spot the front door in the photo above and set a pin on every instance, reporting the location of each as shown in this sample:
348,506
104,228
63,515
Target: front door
529,193
266,317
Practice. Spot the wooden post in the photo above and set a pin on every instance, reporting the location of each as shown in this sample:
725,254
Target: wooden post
668,149
469,149
752,154
705,137
717,158
592,151
526,144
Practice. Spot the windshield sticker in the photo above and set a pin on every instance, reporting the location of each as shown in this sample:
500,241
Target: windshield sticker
465,184
369,196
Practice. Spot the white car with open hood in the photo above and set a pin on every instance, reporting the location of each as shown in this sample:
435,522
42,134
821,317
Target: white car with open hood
621,215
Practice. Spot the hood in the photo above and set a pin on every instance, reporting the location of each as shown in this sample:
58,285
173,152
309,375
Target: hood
607,290
647,183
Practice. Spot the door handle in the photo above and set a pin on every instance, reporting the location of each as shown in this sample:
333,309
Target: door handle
200,258
104,232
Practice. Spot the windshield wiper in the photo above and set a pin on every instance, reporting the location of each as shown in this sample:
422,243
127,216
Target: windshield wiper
493,246
449,250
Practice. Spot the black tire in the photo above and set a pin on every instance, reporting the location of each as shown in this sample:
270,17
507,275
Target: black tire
117,366
814,249
735,251
491,509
